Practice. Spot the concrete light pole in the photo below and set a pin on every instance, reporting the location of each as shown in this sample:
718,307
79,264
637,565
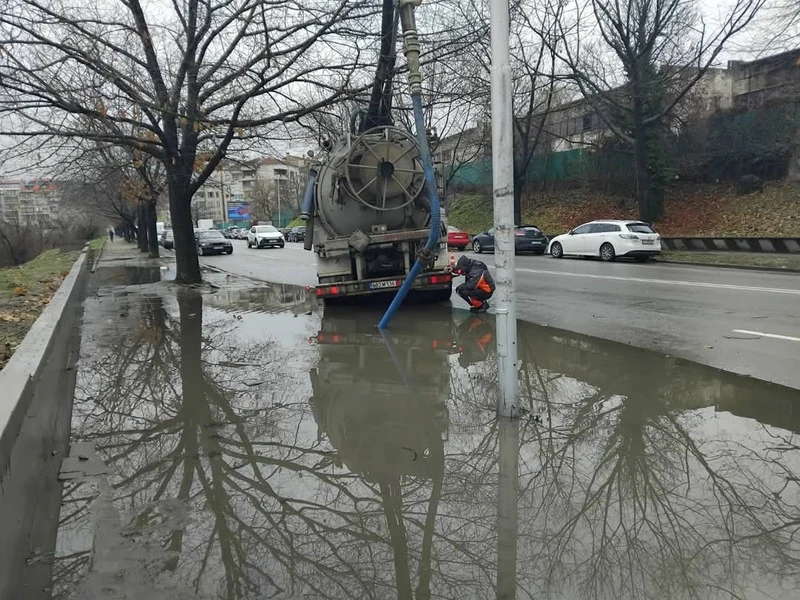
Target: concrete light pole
503,196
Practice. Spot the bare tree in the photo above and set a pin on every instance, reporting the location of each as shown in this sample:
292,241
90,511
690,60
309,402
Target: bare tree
264,200
182,82
635,61
120,183
534,78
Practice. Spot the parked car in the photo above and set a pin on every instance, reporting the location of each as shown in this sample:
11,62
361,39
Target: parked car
261,236
608,240
241,233
457,238
167,239
527,238
285,232
211,241
230,233
297,234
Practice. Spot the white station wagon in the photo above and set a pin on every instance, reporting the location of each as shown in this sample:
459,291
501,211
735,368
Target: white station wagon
608,240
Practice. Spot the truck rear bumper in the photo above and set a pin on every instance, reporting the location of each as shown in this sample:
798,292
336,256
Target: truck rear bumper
431,281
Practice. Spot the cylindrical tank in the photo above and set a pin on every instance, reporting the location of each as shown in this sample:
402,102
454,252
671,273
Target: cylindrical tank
375,179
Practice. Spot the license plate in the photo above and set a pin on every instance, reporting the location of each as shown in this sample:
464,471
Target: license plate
648,242
536,243
382,285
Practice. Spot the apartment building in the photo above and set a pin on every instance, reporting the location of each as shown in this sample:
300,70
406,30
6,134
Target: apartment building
29,202
228,195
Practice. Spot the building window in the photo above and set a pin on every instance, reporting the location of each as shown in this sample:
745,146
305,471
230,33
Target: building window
587,122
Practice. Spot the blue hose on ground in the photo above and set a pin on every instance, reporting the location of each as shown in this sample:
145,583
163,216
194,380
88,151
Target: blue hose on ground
436,217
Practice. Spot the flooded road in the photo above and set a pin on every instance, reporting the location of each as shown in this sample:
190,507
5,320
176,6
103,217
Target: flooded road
246,444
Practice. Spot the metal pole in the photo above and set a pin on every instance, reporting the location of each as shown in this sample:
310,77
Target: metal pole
507,518
503,193
224,201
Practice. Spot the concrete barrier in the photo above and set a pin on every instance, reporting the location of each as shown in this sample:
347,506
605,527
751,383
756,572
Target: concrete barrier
773,245
21,372
36,389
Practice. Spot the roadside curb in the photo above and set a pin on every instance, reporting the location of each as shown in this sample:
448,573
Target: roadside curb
723,266
18,378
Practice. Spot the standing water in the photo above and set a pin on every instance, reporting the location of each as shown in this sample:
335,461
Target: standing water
241,444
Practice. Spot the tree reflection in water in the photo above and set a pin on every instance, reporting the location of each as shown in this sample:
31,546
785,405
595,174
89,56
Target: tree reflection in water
234,476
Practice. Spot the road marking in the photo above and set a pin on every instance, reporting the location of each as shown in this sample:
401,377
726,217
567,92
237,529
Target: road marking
699,284
769,335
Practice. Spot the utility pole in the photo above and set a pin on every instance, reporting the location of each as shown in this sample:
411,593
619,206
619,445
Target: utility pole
507,516
278,191
503,196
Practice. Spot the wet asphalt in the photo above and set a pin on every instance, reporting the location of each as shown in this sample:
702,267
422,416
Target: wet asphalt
744,321
239,441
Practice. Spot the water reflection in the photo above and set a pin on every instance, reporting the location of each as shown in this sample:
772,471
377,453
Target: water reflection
362,466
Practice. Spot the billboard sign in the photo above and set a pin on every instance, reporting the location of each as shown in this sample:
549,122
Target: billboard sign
238,211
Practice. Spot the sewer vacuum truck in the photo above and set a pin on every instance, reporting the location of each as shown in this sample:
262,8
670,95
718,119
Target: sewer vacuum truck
367,205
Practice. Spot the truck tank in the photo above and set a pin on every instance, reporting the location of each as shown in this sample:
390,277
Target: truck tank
373,184
367,207
371,215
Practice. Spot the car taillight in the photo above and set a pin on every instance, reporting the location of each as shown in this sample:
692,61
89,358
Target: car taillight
628,236
519,233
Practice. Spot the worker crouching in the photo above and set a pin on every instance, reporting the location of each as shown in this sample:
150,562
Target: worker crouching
479,285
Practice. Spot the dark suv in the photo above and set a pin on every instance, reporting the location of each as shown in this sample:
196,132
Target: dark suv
297,234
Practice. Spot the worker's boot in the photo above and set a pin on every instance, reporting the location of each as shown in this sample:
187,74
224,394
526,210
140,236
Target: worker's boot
480,309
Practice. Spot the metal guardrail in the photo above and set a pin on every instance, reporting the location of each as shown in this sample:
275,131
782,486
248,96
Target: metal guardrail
772,245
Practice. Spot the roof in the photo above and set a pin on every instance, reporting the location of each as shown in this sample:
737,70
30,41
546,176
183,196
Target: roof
616,221
270,160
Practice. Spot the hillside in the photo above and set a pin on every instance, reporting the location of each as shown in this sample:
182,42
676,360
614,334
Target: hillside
691,209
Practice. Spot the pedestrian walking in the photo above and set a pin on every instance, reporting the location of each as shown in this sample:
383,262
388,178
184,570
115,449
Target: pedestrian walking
111,233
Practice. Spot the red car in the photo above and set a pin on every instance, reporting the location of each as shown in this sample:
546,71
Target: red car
457,238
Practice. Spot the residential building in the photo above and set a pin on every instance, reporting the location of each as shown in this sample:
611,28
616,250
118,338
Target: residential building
29,202
768,80
228,195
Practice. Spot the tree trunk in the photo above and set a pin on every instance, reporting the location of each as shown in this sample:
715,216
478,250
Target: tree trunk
180,208
640,156
152,233
141,222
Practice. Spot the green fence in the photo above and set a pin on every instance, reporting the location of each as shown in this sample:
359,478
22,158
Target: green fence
571,166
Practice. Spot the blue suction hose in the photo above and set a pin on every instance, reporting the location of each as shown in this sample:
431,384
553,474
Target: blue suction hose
415,79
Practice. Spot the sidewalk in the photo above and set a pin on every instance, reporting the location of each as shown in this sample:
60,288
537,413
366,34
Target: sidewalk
123,263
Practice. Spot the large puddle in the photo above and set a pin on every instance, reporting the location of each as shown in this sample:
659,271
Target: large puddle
241,444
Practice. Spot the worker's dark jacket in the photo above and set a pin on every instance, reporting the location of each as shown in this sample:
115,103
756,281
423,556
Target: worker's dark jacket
477,275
